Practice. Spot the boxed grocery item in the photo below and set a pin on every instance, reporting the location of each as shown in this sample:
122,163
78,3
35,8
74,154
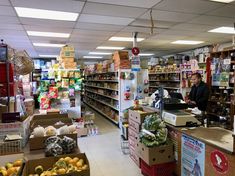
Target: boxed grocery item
69,65
3,109
67,59
139,114
156,155
43,165
121,60
67,54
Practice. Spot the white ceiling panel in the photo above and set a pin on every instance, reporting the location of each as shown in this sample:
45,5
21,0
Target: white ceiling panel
12,26
226,11
133,3
9,20
47,23
112,10
99,27
104,19
212,20
92,32
12,32
157,23
5,2
47,29
48,39
47,50
169,16
7,11
167,37
77,38
60,5
180,32
143,31
193,27
187,6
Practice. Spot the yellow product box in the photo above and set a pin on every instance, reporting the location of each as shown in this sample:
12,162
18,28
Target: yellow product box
67,60
71,65
67,54
68,48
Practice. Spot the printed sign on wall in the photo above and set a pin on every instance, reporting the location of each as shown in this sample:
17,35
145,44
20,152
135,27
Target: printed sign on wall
193,157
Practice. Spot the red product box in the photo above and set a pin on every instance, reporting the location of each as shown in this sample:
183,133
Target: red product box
165,169
3,89
3,72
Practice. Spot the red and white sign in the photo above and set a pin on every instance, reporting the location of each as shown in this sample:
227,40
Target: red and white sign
219,161
135,51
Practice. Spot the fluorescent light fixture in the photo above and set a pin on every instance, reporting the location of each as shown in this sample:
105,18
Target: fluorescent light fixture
223,1
146,54
224,30
48,55
110,47
48,34
92,57
99,53
187,42
48,45
125,39
46,14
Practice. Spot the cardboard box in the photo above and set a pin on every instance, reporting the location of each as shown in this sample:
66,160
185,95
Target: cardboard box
3,109
48,162
139,116
67,54
134,125
37,143
156,155
134,156
67,59
49,116
82,132
121,60
132,133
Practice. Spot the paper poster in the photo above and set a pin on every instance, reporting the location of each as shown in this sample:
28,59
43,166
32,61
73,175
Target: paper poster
135,63
192,157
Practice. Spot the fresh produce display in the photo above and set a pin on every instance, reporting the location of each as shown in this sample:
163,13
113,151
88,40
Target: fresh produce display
62,166
52,131
57,146
11,168
154,131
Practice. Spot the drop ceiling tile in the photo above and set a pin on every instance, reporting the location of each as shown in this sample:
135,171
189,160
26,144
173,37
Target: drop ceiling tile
47,23
7,11
99,27
147,23
193,27
9,20
212,20
12,26
163,36
187,6
47,50
93,32
60,5
112,10
128,32
180,32
47,28
12,32
48,39
76,38
104,19
225,11
133,3
5,2
169,16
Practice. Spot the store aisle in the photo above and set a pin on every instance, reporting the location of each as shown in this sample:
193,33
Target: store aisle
104,152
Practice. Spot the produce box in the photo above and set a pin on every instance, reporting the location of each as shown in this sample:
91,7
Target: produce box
36,143
3,109
139,115
156,155
134,125
134,156
49,116
12,165
48,163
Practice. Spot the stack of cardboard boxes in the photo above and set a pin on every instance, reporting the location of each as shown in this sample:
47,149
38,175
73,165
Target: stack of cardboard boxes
66,59
121,60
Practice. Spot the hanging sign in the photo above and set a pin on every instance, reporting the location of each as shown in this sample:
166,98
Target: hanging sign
135,51
135,63
193,156
219,161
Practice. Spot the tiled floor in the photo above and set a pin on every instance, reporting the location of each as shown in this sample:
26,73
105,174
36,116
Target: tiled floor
104,152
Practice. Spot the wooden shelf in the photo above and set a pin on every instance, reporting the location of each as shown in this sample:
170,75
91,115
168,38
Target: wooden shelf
100,87
103,95
101,112
104,103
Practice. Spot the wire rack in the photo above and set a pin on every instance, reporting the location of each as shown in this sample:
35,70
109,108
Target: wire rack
124,146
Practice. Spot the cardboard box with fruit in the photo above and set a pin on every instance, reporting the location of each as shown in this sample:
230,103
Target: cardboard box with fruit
12,168
68,165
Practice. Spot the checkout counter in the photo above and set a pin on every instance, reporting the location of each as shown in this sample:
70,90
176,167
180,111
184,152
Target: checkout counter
214,146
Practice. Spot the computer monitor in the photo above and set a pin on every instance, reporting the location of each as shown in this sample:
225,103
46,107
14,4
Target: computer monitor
176,95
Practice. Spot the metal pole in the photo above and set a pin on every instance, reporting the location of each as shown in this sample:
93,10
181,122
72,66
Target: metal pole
135,34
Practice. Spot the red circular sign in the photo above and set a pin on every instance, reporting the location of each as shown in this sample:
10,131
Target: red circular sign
135,51
219,161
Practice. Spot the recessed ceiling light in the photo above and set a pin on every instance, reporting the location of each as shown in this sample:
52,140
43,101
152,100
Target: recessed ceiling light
46,14
48,45
125,39
187,42
223,1
48,34
146,54
224,30
99,53
93,57
48,55
110,47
